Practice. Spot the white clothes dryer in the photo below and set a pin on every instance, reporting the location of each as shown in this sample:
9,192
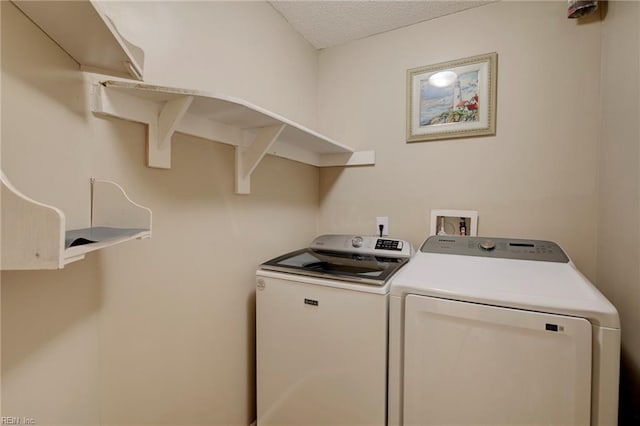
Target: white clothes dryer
501,332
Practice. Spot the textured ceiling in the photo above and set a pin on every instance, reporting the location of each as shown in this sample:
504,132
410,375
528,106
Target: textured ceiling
326,23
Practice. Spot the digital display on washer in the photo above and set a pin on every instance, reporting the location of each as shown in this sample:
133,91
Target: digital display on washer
382,244
337,265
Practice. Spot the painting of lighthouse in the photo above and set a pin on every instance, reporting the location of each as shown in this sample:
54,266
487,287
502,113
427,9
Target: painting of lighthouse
456,102
452,99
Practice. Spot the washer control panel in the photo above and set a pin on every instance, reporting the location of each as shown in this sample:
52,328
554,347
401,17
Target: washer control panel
362,244
505,248
386,244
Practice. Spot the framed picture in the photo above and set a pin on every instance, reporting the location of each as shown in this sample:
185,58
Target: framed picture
455,99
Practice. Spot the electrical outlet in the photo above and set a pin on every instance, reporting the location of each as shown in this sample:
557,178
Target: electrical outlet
384,221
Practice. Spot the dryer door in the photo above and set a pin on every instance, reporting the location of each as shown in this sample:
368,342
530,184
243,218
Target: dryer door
467,363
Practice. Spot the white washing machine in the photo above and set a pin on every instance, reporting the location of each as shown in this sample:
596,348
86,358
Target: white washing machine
500,332
321,332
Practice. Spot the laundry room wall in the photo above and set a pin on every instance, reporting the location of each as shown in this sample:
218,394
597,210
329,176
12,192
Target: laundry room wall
159,331
619,180
564,164
536,178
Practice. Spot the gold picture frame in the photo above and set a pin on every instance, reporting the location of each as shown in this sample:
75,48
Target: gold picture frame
455,99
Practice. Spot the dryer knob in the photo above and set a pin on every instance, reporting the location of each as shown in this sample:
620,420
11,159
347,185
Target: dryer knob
356,242
487,245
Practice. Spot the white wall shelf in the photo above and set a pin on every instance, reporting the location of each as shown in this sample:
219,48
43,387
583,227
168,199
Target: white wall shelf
87,34
253,130
34,235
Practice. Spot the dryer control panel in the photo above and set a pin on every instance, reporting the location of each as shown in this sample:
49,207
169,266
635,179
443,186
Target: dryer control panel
504,248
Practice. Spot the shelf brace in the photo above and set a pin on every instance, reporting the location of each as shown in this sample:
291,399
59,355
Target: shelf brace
159,136
248,158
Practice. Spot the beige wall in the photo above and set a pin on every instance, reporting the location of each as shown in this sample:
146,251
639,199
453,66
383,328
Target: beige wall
619,179
157,331
564,164
243,50
536,178
161,331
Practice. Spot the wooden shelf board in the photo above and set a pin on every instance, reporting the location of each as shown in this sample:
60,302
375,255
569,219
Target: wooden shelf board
231,112
72,254
253,130
34,235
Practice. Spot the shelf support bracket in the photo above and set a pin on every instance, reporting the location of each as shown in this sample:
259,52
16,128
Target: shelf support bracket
248,158
159,135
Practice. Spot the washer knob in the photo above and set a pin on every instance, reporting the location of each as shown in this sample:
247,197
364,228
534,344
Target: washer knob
356,242
487,245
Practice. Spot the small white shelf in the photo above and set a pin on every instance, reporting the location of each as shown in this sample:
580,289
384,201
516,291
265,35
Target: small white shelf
253,130
86,33
34,235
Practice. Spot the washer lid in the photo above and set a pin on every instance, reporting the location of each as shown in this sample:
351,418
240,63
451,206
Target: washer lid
353,258
344,266
542,286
